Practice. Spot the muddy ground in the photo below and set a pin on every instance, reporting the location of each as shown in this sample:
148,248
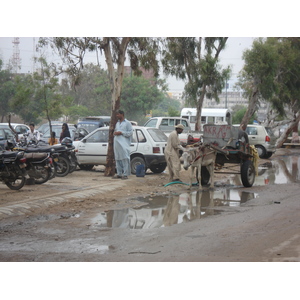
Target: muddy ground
55,222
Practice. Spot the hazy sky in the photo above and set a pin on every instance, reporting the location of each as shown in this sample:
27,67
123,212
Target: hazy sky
232,55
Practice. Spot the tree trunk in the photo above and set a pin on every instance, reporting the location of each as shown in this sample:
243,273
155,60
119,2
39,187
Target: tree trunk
251,108
115,79
286,133
199,110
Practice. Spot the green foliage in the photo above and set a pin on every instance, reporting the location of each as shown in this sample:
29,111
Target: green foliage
196,61
238,113
7,91
271,65
138,96
168,107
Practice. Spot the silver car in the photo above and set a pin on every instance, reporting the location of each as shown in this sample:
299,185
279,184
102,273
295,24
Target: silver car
262,138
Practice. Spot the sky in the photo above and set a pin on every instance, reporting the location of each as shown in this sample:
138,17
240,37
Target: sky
232,55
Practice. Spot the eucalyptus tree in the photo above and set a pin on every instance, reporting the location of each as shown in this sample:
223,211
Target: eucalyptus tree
37,95
7,90
196,60
271,74
139,51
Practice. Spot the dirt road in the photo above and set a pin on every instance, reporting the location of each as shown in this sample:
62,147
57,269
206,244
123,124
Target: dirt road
57,221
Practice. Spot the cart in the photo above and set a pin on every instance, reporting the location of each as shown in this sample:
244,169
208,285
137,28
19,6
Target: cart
232,146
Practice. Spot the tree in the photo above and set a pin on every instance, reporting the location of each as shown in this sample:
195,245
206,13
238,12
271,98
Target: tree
37,95
238,112
7,90
196,61
271,74
138,96
141,51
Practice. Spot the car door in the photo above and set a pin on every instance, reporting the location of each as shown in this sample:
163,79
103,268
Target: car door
253,136
93,148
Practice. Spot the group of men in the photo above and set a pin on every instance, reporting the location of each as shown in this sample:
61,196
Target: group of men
122,140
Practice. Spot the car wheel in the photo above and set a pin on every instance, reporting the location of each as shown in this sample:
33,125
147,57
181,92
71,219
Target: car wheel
136,161
261,151
268,154
158,168
86,167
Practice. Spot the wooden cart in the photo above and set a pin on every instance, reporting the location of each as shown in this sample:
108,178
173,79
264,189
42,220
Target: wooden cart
232,147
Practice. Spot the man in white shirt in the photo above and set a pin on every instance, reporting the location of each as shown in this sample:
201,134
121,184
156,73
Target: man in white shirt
33,134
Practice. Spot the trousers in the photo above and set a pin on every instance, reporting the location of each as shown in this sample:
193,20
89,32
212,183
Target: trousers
123,167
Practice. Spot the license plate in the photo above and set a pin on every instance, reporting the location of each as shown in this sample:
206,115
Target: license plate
55,159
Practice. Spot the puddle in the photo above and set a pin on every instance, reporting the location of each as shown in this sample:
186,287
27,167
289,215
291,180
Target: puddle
167,210
286,169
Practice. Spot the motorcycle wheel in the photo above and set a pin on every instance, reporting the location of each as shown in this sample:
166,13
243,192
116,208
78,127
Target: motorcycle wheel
62,167
17,183
45,175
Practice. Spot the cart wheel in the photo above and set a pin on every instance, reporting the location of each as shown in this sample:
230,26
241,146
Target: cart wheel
247,173
204,176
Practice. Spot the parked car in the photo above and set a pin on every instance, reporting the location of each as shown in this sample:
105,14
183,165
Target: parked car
262,138
19,128
5,134
44,127
147,148
93,122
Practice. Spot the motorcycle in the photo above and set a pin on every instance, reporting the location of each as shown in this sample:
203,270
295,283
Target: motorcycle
70,153
39,166
12,169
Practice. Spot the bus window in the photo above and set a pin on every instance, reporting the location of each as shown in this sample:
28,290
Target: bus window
203,120
210,120
193,119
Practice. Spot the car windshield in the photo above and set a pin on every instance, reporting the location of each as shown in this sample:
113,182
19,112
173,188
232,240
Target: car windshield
88,126
157,135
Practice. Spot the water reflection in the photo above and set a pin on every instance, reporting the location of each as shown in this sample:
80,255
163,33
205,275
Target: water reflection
161,211
286,169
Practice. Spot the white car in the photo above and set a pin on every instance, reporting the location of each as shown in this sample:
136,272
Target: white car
262,138
21,129
147,148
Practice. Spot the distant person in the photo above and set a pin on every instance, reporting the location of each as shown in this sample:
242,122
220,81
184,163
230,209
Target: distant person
65,132
33,134
52,140
122,141
172,153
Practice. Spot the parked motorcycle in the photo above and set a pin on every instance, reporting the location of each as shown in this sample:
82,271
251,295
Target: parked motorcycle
12,169
39,166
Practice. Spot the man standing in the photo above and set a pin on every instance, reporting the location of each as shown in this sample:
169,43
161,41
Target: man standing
122,141
33,134
172,153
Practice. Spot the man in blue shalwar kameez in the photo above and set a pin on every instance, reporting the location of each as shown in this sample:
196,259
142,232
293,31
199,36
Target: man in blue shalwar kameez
122,141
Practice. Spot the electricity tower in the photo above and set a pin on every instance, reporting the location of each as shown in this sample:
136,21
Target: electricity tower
16,60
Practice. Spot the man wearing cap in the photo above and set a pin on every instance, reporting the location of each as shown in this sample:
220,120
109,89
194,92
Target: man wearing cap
172,153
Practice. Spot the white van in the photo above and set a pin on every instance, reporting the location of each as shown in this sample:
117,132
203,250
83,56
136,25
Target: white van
217,116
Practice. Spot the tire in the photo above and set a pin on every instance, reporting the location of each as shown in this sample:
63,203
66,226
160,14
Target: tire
205,176
62,167
158,168
243,136
46,174
261,151
86,167
17,184
247,173
135,162
268,154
